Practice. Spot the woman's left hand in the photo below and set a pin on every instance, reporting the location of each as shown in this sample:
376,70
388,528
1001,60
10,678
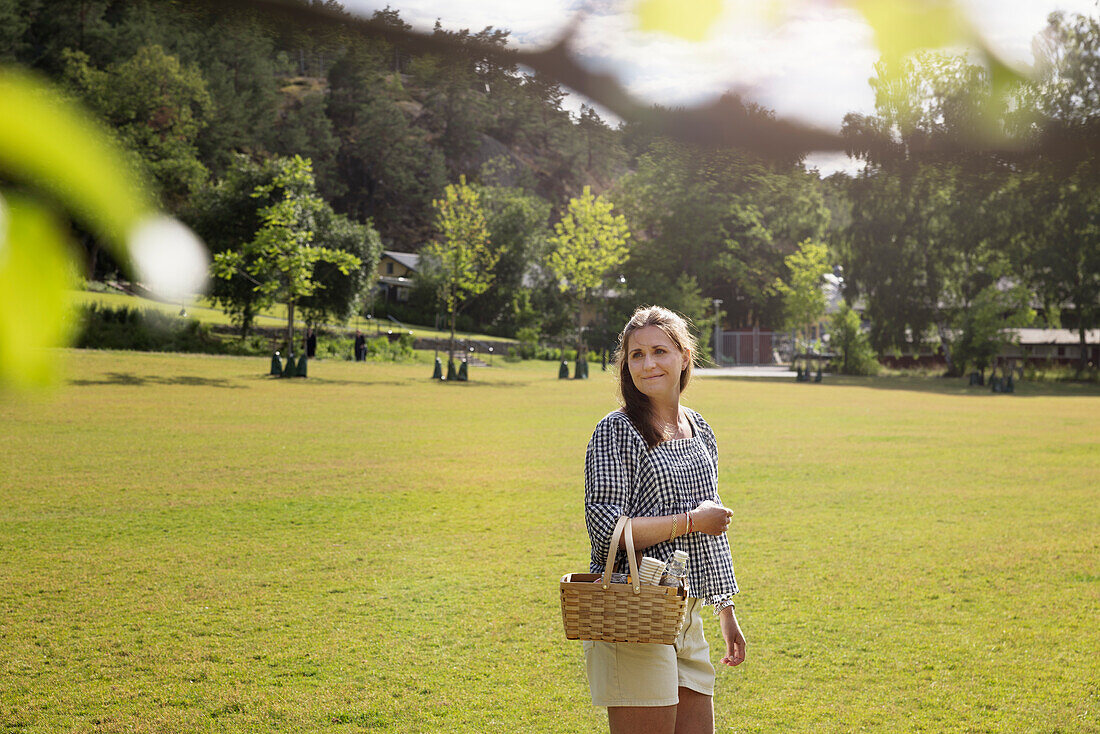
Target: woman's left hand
735,639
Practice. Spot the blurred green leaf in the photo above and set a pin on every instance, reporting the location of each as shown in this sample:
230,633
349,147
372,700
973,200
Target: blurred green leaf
36,274
57,147
904,27
691,20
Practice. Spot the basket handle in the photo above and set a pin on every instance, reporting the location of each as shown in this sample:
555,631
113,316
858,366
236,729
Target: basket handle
622,525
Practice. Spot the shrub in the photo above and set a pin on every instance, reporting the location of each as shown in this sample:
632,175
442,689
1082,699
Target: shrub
336,347
988,325
1059,373
528,342
148,330
854,348
383,349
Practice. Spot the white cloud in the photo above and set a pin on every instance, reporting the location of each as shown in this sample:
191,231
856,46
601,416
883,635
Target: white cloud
1009,25
530,23
830,162
813,63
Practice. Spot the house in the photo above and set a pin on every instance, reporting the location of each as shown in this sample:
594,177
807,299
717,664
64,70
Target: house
1027,346
1056,346
396,273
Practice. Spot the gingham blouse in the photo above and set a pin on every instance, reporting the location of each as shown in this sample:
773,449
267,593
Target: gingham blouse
623,477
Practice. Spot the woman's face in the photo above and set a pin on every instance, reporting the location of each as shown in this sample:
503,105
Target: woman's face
655,363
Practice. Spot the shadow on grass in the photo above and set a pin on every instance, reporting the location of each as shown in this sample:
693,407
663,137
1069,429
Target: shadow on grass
368,382
129,379
935,385
472,384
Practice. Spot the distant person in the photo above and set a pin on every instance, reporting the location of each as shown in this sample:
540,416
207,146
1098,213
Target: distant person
360,346
311,343
654,461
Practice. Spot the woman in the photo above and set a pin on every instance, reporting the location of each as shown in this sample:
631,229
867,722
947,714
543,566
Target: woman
654,461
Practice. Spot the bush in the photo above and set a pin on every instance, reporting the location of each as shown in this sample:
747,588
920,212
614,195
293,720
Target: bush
1059,373
528,343
383,349
854,348
336,347
987,326
549,354
146,330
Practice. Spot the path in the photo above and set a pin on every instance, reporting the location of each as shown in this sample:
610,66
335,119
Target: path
767,370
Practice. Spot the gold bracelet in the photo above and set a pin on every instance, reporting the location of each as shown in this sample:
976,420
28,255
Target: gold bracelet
675,520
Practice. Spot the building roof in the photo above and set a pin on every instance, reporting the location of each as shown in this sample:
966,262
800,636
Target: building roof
409,259
1068,337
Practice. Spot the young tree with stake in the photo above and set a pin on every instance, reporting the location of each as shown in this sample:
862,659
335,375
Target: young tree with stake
461,254
281,256
588,242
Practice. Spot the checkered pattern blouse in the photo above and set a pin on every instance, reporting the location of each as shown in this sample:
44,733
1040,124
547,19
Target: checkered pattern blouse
623,477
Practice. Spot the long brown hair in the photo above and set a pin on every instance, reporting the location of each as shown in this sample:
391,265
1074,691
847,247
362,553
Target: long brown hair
636,404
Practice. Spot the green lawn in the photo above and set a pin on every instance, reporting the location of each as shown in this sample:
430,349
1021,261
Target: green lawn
191,546
275,317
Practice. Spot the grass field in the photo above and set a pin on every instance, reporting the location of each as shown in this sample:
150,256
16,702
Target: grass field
188,545
273,318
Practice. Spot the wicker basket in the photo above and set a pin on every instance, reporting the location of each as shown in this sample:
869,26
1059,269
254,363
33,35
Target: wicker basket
593,609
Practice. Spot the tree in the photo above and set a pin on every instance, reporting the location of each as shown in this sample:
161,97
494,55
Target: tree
1060,244
227,215
457,107
723,218
13,25
518,230
1058,198
803,293
340,293
235,52
602,150
461,254
158,108
304,129
928,231
749,248
989,324
389,169
281,258
588,242
846,337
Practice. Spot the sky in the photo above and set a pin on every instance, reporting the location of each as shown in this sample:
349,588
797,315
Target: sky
810,61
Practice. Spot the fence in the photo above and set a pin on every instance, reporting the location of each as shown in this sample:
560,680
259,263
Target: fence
746,347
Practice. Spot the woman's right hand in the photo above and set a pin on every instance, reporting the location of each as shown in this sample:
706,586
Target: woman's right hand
711,518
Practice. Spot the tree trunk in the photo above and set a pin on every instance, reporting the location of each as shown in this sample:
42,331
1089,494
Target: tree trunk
290,328
451,347
1082,357
246,321
93,256
580,332
452,308
945,343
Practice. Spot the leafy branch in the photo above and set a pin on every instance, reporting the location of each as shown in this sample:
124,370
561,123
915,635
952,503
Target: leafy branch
900,27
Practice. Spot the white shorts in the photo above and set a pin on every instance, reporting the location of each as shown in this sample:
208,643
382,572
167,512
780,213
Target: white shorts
642,674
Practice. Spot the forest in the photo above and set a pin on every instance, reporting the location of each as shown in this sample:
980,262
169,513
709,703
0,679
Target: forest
229,112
